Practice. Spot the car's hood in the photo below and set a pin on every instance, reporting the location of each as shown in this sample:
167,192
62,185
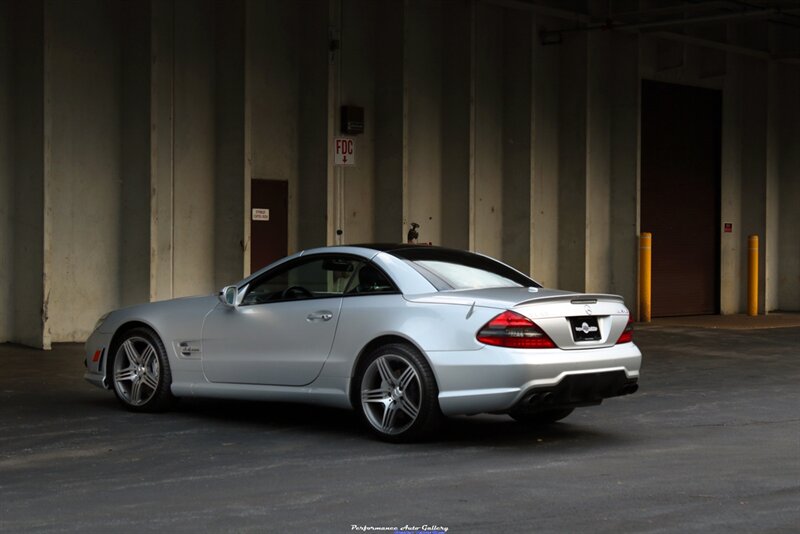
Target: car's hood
507,297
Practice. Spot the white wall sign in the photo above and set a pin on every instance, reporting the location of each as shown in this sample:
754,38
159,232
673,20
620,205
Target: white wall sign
344,152
260,214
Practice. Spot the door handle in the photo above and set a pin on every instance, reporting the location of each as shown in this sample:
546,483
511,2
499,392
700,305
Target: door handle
319,316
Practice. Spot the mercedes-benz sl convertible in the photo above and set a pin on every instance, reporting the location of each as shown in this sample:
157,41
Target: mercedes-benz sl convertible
403,334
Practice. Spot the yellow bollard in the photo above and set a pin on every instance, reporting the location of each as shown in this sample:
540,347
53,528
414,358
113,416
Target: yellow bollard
752,275
645,263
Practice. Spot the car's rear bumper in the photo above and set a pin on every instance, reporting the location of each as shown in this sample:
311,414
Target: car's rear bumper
576,390
496,379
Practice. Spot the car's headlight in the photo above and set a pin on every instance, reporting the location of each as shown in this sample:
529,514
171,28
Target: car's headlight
100,321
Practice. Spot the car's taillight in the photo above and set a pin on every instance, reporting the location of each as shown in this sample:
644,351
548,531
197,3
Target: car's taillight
510,329
627,334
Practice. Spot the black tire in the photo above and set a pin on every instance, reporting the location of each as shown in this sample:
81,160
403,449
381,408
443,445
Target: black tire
140,373
405,407
541,418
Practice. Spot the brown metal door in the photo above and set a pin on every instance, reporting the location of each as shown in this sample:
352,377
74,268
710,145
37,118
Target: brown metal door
269,222
680,196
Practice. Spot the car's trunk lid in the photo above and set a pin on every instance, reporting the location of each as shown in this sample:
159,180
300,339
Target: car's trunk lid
572,320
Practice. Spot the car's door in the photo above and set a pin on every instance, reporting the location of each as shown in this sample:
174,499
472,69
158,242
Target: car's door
282,331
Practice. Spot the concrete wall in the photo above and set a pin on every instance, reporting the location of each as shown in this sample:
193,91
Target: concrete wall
758,173
131,131
287,108
274,92
6,171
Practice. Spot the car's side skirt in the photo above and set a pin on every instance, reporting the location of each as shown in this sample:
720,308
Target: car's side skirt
327,393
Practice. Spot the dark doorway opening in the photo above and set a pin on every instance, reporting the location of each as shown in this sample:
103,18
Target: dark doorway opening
680,195
269,222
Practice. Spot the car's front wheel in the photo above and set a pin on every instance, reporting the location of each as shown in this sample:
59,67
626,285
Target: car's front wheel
141,373
398,397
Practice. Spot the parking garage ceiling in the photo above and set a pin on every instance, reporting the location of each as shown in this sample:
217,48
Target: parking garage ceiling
700,23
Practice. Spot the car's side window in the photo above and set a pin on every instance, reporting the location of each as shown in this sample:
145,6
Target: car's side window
326,276
370,280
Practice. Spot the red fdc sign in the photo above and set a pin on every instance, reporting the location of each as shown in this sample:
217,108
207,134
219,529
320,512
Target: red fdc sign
344,151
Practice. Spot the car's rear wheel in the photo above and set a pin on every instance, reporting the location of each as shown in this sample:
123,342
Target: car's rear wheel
140,372
398,397
541,418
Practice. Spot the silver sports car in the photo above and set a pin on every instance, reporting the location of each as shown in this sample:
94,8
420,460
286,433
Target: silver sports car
404,334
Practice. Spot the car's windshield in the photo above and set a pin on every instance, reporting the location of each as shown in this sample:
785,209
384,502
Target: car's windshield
455,269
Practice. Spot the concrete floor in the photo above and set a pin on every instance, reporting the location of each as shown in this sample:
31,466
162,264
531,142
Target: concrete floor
737,321
711,443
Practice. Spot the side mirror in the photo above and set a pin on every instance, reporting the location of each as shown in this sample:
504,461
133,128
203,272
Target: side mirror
229,296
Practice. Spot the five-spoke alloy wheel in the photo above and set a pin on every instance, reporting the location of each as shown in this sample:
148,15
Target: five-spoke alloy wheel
140,372
398,394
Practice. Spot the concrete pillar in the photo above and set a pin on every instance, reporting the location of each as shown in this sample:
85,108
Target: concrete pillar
423,129
29,295
82,158
6,171
754,167
194,147
734,244
358,61
312,173
624,167
788,246
387,123
456,71
487,198
231,169
600,83
572,162
772,207
612,130
162,133
134,227
516,139
545,235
